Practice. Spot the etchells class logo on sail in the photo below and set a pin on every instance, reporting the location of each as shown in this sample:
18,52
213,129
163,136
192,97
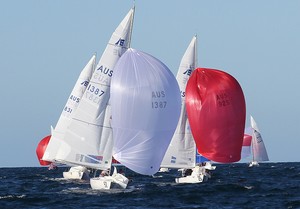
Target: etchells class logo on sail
188,71
120,47
120,42
84,83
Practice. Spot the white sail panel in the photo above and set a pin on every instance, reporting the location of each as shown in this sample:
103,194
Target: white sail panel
145,101
89,136
69,110
258,147
181,152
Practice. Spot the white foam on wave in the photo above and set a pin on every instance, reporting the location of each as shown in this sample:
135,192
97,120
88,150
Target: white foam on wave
12,196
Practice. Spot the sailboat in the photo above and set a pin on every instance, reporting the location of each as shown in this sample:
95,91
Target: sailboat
87,141
182,152
145,99
54,140
216,111
182,148
259,152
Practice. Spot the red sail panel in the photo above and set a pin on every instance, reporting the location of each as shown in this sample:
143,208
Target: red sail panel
217,112
247,140
40,150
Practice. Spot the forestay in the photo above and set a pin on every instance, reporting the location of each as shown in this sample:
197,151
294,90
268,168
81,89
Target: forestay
88,140
145,100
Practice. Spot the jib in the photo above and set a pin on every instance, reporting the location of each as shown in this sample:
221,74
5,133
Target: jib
188,72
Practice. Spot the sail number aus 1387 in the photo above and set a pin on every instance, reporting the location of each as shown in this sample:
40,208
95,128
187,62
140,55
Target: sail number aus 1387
158,99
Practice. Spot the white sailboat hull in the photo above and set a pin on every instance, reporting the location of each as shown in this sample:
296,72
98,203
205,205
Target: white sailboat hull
209,166
198,175
77,172
253,163
190,179
164,170
117,181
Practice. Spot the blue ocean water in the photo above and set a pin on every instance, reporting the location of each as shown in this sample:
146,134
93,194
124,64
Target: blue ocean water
271,185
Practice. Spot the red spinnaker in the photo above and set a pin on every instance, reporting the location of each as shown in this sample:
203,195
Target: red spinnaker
40,150
216,111
247,140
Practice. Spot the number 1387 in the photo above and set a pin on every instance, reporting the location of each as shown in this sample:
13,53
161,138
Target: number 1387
159,104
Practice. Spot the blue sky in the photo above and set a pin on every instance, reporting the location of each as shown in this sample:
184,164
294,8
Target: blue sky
45,44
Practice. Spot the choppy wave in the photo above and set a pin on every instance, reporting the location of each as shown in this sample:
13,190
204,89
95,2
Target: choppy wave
271,185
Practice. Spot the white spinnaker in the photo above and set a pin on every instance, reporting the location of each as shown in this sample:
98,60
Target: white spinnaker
57,134
181,152
258,147
146,102
88,140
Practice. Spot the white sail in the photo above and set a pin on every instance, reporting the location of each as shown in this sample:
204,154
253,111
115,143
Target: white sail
182,149
145,102
64,120
258,147
88,140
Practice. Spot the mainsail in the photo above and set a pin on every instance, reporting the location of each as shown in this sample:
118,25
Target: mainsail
68,111
88,139
145,101
182,149
258,147
216,110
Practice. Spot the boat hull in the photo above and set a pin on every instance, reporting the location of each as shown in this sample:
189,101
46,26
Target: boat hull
198,175
253,163
190,179
79,172
117,181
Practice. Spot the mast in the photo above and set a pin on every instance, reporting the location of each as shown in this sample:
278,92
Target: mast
131,27
252,145
196,53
